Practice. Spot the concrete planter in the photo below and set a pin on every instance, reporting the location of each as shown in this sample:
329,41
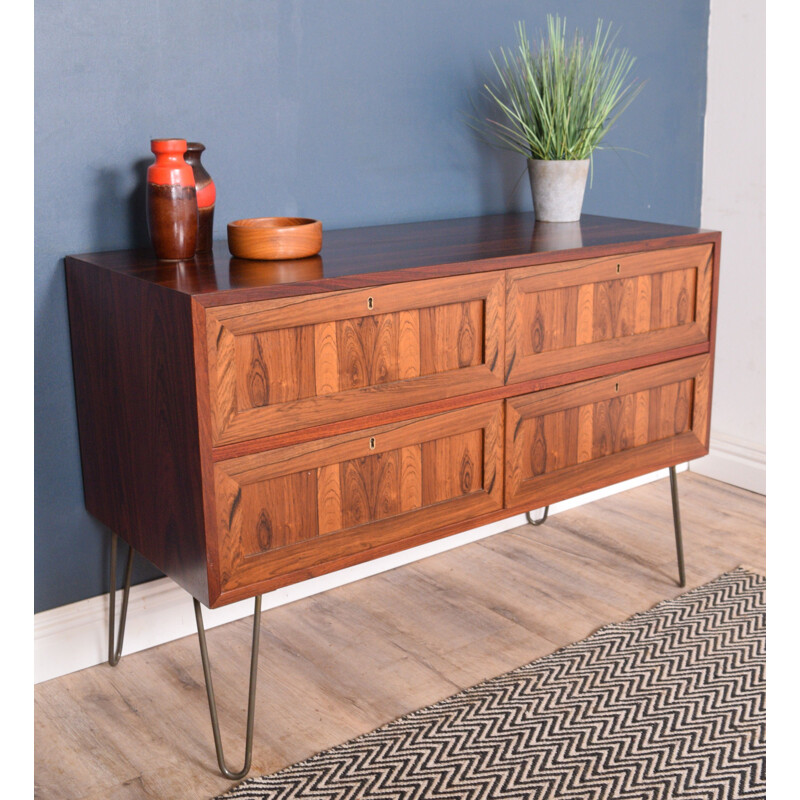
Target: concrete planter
557,188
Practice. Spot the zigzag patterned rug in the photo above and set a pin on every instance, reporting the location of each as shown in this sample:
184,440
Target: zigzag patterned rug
668,704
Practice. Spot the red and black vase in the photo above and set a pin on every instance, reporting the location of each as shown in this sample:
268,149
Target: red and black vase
171,201
206,197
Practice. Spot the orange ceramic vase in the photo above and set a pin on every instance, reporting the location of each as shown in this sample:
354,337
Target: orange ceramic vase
171,201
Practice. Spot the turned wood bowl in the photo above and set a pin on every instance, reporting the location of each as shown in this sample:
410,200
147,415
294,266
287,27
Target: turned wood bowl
269,238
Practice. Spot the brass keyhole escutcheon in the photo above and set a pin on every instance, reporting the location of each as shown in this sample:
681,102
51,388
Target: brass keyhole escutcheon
370,303
371,442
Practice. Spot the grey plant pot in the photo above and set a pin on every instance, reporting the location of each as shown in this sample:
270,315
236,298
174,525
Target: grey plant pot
558,188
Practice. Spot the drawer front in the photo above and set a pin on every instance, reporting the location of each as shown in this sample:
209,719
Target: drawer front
282,365
564,317
294,510
566,441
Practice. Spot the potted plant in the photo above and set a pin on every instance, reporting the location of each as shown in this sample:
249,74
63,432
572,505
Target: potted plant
556,104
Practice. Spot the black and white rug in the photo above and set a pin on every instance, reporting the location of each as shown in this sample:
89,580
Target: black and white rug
667,704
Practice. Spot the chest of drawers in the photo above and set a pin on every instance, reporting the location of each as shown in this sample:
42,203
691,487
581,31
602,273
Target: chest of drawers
246,425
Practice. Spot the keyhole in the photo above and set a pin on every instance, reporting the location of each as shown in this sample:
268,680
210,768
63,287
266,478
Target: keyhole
617,269
616,387
370,303
371,439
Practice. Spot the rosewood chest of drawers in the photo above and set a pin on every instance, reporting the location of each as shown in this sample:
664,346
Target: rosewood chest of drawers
245,425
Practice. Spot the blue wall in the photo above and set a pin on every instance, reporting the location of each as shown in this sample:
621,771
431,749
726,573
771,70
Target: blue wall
344,110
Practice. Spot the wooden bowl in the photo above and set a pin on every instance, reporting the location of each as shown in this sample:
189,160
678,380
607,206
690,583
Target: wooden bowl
268,238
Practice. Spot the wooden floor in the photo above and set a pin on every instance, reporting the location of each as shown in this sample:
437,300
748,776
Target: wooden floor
341,663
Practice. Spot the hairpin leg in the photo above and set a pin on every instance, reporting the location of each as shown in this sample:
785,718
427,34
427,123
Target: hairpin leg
251,700
541,519
676,518
114,653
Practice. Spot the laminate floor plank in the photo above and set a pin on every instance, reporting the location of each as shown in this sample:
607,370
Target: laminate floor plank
337,665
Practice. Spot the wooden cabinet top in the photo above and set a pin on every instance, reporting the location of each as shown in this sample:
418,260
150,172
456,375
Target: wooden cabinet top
376,255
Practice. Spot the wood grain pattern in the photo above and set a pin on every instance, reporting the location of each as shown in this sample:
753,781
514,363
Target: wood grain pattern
411,477
329,499
451,337
138,417
208,576
453,467
387,254
566,316
273,441
370,488
301,507
413,329
594,433
279,512
277,238
289,364
266,367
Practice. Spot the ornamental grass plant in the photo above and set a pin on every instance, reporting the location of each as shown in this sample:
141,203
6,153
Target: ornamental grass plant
559,100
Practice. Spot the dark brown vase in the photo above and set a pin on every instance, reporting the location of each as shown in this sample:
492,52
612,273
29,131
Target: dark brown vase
206,197
171,201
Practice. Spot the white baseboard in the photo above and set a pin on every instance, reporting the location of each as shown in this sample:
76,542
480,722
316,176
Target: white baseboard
75,636
736,461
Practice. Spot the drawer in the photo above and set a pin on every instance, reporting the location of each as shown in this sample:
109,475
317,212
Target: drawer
577,314
294,512
291,363
573,439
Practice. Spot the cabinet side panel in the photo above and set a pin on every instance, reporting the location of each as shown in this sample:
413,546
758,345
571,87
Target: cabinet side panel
136,403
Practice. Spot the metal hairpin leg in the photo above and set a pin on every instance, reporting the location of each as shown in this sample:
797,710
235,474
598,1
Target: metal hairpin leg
541,519
676,518
114,653
251,700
